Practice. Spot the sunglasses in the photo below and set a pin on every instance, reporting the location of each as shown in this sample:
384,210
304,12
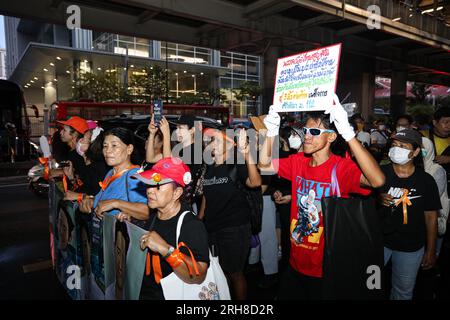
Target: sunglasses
315,131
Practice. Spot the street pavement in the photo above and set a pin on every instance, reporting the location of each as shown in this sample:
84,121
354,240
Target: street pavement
25,267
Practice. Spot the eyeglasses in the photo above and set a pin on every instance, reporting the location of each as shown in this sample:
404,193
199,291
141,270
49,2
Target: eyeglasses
315,131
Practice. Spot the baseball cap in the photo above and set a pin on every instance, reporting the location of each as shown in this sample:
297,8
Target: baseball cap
408,136
164,171
187,119
79,124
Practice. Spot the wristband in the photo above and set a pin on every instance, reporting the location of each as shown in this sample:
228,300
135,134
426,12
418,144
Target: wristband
174,259
171,250
80,197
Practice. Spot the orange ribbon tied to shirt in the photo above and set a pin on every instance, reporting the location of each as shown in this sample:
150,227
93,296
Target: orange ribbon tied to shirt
44,162
108,180
406,202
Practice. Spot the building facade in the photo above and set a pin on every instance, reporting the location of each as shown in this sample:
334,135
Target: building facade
48,60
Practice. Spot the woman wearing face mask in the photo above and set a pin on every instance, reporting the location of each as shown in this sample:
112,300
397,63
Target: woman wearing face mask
409,208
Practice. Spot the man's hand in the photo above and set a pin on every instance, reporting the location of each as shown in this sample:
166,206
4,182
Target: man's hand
272,122
68,171
386,199
105,206
242,142
339,116
284,199
442,159
428,260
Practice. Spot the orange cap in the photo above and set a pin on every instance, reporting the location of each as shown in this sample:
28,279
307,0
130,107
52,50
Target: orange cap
77,123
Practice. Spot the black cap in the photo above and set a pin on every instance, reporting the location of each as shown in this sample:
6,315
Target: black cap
409,136
187,119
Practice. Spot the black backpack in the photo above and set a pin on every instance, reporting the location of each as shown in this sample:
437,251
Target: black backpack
254,198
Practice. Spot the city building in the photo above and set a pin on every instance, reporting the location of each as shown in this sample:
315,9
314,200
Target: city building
48,60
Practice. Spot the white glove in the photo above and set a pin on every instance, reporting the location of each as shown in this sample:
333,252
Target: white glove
339,116
272,122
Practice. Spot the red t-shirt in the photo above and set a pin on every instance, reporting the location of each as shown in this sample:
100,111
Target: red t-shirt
309,186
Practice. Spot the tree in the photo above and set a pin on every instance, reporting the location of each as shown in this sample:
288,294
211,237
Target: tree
211,96
249,90
100,87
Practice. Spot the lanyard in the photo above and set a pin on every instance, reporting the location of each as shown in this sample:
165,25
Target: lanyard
108,180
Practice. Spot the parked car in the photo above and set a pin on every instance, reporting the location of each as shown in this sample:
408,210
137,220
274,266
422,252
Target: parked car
139,125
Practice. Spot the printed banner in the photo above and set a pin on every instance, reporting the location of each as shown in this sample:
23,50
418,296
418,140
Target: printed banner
307,81
124,259
66,245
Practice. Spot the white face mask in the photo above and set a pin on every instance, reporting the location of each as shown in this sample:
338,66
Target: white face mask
78,148
399,155
295,141
400,129
381,127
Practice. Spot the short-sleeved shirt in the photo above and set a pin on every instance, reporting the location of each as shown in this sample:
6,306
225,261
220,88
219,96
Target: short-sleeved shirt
123,188
226,205
378,138
192,233
408,235
309,186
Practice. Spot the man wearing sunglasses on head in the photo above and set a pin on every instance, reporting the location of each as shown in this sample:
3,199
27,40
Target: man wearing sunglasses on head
310,175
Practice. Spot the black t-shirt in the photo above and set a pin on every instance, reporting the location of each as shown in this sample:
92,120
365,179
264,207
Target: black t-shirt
60,150
193,234
91,175
187,154
424,196
226,205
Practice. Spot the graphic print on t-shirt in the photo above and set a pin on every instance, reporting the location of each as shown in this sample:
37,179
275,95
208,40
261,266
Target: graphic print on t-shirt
309,212
397,193
403,197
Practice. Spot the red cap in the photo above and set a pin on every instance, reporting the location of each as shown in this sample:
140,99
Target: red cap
77,123
164,171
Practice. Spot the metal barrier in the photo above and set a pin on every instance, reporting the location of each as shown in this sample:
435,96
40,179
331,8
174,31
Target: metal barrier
89,260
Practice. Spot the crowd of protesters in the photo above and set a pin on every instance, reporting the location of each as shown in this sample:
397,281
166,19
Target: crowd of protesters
402,164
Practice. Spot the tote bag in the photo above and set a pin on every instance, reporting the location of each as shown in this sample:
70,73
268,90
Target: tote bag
214,287
353,250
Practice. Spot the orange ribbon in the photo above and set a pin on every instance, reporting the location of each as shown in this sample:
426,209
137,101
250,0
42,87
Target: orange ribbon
65,183
108,180
44,162
406,202
175,259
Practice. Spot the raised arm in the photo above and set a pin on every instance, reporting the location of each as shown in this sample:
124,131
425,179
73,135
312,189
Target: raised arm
372,176
150,152
272,123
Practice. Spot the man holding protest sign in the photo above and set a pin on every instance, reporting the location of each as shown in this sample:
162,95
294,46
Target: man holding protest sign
307,82
310,173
